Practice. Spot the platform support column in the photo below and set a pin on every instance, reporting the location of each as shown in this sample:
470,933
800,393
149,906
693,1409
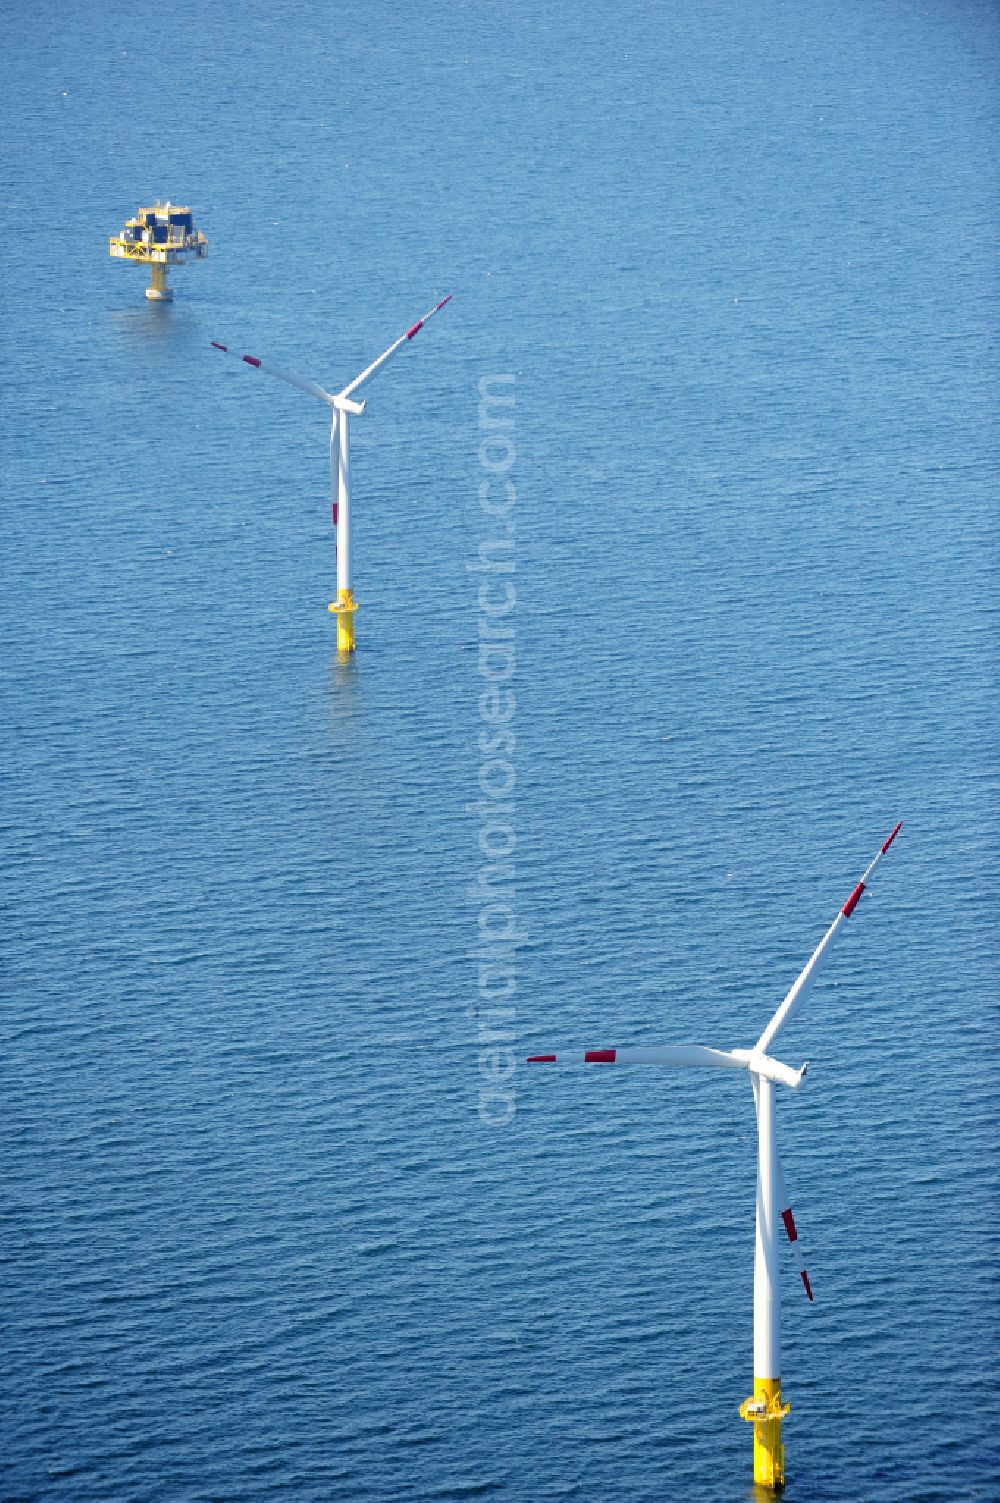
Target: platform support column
159,289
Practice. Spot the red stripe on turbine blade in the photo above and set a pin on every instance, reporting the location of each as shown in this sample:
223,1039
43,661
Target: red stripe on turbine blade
600,1056
443,301
853,900
892,837
789,1221
805,1280
416,329
252,360
217,346
541,1059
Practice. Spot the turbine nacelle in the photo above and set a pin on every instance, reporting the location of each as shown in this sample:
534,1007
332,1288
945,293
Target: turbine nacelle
344,404
772,1069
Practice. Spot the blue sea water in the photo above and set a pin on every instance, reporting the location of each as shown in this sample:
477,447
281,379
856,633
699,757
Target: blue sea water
258,1240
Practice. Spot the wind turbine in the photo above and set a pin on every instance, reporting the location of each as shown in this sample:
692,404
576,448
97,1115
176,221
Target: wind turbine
343,405
765,1408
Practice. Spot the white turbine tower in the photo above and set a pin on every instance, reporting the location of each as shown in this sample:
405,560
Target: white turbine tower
764,1408
343,405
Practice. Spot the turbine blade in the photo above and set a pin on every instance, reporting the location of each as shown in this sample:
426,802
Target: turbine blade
410,334
807,976
785,1208
666,1054
272,370
791,1229
334,491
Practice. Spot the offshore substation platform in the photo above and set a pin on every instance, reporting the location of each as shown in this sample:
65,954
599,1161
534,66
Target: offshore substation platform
163,236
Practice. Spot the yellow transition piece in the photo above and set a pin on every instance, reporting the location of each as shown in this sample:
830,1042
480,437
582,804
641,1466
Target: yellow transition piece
765,1411
343,608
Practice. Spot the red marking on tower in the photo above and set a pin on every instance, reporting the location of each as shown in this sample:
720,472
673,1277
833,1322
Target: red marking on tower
853,900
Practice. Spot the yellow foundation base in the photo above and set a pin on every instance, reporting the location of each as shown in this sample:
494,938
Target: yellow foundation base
765,1411
343,608
159,289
